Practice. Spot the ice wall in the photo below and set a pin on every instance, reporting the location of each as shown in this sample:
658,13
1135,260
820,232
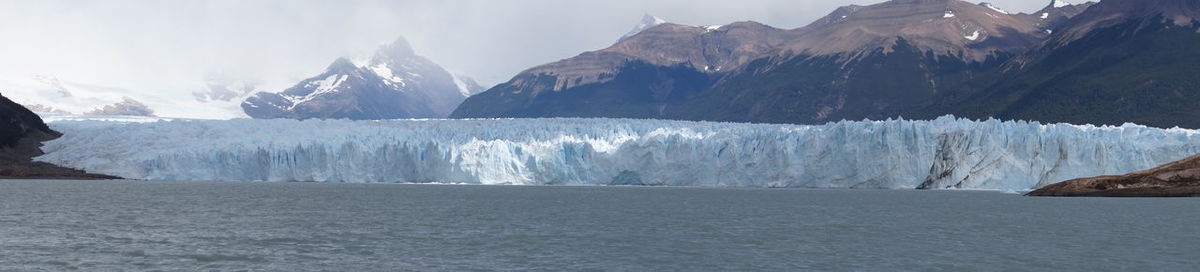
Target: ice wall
943,153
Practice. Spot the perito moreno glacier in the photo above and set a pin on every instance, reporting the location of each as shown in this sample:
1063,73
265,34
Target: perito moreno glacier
893,154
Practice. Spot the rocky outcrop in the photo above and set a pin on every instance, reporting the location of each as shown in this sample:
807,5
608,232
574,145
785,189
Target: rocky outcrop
21,135
1176,179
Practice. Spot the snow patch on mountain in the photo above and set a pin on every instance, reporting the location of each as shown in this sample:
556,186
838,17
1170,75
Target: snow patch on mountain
973,36
385,73
1059,3
993,7
893,154
467,86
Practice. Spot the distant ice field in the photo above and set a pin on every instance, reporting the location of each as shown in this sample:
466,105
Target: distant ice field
948,152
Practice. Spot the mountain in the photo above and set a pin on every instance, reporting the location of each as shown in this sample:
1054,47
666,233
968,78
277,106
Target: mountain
21,135
637,77
874,61
395,83
1119,61
1103,63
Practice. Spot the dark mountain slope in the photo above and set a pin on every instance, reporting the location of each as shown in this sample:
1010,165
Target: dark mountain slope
1120,61
21,131
21,135
828,88
885,60
638,90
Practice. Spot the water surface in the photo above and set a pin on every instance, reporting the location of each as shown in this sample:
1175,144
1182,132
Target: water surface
131,225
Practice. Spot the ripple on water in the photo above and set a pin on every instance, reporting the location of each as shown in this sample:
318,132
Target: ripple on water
75,225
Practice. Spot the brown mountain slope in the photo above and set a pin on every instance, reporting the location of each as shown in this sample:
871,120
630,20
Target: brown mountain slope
944,27
709,49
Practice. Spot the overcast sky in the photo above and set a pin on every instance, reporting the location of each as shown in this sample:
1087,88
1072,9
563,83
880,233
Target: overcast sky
172,45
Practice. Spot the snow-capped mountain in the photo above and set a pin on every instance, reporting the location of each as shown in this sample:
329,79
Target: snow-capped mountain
647,22
394,83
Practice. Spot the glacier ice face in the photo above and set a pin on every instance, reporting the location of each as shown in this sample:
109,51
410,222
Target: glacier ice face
893,154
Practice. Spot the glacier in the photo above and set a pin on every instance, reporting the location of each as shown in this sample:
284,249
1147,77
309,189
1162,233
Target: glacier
945,153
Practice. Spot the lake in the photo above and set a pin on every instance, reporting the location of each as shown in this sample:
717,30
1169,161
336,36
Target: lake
138,225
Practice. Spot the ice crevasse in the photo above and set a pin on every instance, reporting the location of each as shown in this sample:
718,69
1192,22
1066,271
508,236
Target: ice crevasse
895,154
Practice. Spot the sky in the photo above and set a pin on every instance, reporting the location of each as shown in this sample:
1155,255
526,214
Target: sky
173,46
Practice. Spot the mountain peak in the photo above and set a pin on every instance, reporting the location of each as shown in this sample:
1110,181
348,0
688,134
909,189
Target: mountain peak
398,48
840,14
341,65
648,21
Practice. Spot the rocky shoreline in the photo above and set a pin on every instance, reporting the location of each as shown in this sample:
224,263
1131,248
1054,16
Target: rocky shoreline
1177,179
41,170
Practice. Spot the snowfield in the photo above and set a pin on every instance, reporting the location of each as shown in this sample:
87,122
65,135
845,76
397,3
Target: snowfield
893,154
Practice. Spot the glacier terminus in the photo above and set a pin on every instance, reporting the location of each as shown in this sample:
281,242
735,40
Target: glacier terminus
946,153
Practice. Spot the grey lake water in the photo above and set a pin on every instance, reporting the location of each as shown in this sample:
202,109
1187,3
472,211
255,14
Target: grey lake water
133,225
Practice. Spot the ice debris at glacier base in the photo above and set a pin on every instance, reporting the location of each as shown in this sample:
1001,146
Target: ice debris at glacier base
894,154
